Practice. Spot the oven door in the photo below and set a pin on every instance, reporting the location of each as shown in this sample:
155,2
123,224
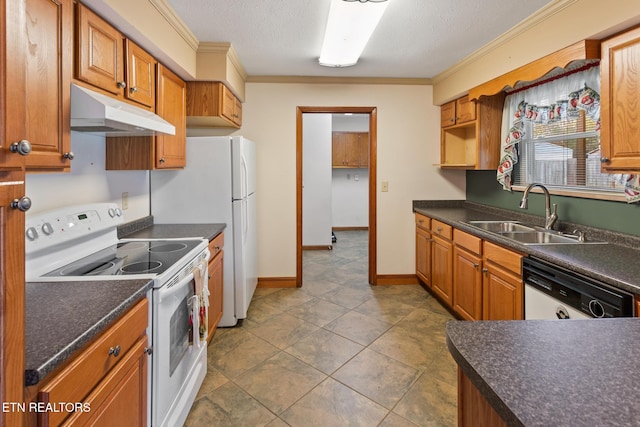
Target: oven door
180,362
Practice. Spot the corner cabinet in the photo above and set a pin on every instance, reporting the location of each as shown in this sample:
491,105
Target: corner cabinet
109,376
212,104
619,120
215,283
159,151
470,133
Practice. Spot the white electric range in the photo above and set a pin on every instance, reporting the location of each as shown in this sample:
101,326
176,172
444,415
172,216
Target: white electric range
80,243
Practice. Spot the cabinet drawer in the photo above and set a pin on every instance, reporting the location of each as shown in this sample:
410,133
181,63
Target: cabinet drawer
441,229
216,245
77,379
423,222
510,260
467,241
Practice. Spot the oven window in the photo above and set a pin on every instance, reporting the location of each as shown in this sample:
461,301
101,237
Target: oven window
180,330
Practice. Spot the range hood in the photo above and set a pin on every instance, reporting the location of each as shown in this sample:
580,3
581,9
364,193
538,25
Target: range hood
93,112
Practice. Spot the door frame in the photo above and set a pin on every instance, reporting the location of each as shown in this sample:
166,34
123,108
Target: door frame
373,162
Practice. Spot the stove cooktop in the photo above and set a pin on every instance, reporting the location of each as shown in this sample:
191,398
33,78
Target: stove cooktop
129,258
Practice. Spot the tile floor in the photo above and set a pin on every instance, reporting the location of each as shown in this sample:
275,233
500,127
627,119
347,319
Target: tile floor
336,352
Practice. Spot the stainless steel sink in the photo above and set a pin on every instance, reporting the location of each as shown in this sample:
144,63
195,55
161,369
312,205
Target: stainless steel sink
502,226
547,238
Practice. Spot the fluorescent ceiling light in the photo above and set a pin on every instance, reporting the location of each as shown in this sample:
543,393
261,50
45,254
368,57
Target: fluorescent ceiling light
349,27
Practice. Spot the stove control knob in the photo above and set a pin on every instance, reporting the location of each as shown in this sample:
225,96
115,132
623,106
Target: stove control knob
118,212
112,212
47,228
32,233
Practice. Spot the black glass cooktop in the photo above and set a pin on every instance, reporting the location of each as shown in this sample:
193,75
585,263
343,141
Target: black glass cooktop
129,258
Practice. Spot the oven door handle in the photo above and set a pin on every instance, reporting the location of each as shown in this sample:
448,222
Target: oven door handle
167,292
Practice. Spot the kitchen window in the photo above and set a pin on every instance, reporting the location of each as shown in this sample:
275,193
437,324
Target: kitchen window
551,136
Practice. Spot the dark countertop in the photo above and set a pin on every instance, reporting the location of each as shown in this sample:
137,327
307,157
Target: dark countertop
551,372
615,263
61,317
170,231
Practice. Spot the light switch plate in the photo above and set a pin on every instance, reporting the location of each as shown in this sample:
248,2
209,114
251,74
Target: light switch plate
384,186
125,200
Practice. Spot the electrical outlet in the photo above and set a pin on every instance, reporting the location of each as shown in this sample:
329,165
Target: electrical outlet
384,186
125,200
356,177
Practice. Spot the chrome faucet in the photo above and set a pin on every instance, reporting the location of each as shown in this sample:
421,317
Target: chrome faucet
550,217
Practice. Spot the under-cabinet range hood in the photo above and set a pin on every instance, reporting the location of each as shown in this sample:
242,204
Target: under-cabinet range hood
93,112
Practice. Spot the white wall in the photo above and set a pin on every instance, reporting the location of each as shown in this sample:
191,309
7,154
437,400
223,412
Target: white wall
350,197
316,178
408,146
88,182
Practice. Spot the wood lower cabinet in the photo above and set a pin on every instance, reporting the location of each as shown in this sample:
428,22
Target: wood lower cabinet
467,275
159,151
473,409
215,283
503,290
423,249
619,121
442,261
212,104
109,377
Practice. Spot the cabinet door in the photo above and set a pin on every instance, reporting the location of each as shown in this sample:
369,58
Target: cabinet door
503,294
363,146
448,114
441,268
228,102
99,55
465,110
423,255
141,75
12,363
48,52
237,112
467,284
620,123
215,292
338,149
171,106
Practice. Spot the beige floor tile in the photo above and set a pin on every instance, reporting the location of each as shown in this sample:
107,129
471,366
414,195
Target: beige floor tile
318,312
286,299
284,330
347,297
444,368
387,308
430,403
378,377
317,287
230,406
333,404
395,420
247,351
324,350
212,381
358,327
426,322
280,381
410,348
261,310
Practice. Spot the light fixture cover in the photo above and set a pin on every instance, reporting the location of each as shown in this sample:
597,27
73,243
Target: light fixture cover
349,27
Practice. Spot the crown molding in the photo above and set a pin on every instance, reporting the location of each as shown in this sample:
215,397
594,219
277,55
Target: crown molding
340,80
540,16
176,22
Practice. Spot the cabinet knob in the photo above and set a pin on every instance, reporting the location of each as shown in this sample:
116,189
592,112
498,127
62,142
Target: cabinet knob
452,120
162,160
439,229
22,204
121,85
148,350
115,351
604,160
484,270
68,155
21,147
476,265
133,89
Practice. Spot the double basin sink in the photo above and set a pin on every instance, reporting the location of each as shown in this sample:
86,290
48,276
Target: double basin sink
529,234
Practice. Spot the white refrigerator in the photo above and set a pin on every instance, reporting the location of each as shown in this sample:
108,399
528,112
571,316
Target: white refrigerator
217,185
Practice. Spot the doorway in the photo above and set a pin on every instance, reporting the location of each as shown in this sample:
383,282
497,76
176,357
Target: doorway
372,113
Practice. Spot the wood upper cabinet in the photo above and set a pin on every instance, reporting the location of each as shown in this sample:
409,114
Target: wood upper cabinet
36,79
108,61
503,290
212,104
467,275
114,384
423,248
350,149
442,261
619,119
159,151
471,132
216,283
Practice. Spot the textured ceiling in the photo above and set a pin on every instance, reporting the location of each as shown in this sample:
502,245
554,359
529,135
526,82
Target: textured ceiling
415,39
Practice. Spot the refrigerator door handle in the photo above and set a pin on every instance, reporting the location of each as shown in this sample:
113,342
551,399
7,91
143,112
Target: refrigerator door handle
245,226
245,178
